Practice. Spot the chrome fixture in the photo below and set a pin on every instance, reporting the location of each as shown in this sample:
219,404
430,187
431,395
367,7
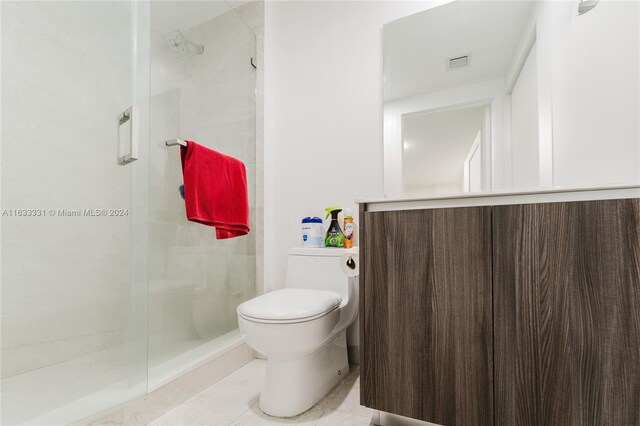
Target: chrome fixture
128,135
174,142
586,5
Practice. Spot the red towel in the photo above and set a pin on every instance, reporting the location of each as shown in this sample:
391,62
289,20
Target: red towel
215,190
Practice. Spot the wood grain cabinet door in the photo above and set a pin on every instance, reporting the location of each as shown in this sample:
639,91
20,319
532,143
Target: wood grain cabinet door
567,313
426,314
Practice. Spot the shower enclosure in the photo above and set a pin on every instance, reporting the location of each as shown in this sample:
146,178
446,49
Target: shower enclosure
107,291
202,89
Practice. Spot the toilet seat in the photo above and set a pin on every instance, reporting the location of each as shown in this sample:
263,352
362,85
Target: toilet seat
289,305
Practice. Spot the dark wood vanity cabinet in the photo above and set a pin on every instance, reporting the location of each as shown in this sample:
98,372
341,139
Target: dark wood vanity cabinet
426,315
505,315
567,313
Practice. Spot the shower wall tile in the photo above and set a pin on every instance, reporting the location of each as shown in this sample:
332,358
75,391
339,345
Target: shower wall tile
83,27
66,308
66,286
62,307
169,310
252,13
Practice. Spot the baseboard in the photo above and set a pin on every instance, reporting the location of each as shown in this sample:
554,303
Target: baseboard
380,418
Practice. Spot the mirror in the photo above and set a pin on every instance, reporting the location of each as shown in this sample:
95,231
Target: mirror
442,150
495,95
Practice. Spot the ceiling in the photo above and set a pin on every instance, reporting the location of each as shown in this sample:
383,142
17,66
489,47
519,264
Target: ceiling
417,48
436,145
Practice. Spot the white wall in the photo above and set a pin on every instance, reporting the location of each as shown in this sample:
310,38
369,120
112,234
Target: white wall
588,92
323,107
323,113
524,126
473,166
596,95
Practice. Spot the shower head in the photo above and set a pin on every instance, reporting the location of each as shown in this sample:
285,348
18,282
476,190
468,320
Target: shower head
180,45
586,5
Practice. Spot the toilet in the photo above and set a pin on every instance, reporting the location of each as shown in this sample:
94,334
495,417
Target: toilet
301,329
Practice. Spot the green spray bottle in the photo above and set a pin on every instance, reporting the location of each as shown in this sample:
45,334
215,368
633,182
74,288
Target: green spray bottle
334,236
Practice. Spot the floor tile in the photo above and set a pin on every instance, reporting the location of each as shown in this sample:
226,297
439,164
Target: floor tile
221,403
342,418
234,400
251,372
254,416
347,397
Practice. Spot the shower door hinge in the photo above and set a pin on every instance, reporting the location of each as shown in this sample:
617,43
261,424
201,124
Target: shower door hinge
128,136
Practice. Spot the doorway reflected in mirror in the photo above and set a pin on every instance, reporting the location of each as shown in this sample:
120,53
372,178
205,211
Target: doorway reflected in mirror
560,90
442,150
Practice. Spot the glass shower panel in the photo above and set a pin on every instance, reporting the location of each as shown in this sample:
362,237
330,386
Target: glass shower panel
204,91
74,222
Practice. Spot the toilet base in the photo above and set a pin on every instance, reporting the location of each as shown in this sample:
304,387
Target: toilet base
293,385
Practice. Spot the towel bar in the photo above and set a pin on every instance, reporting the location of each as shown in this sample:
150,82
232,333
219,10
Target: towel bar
174,142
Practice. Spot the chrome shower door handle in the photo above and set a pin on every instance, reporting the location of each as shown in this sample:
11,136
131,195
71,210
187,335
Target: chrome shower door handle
128,136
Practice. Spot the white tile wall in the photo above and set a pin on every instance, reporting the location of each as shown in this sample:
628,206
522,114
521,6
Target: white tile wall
66,300
66,306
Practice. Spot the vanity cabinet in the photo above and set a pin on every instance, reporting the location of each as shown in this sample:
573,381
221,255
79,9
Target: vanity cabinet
523,314
426,314
567,313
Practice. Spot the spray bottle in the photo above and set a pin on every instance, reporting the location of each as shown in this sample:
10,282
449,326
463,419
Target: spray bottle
348,228
334,236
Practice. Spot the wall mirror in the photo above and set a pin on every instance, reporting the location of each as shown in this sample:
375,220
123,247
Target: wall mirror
500,95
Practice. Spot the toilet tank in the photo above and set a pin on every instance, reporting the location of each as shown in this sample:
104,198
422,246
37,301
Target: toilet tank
317,269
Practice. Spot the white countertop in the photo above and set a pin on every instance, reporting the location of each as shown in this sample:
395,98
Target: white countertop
533,195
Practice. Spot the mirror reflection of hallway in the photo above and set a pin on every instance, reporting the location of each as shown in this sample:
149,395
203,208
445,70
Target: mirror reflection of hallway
562,87
442,150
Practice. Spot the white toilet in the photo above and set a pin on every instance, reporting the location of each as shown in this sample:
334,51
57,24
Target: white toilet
301,329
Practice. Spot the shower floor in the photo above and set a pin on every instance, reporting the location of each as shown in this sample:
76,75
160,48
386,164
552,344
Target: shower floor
88,384
70,390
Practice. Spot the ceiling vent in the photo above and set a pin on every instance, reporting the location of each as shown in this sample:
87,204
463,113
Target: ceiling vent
458,62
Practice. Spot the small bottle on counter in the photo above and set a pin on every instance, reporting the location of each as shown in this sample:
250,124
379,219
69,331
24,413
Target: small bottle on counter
348,228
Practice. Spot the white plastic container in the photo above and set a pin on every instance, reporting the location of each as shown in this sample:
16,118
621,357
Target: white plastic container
312,232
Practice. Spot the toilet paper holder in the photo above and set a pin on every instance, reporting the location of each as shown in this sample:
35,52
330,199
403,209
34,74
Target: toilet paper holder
351,263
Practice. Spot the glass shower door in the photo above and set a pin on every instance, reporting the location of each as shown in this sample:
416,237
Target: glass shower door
74,222
203,87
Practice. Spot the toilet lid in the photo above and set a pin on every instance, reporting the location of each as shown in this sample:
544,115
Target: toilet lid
290,304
